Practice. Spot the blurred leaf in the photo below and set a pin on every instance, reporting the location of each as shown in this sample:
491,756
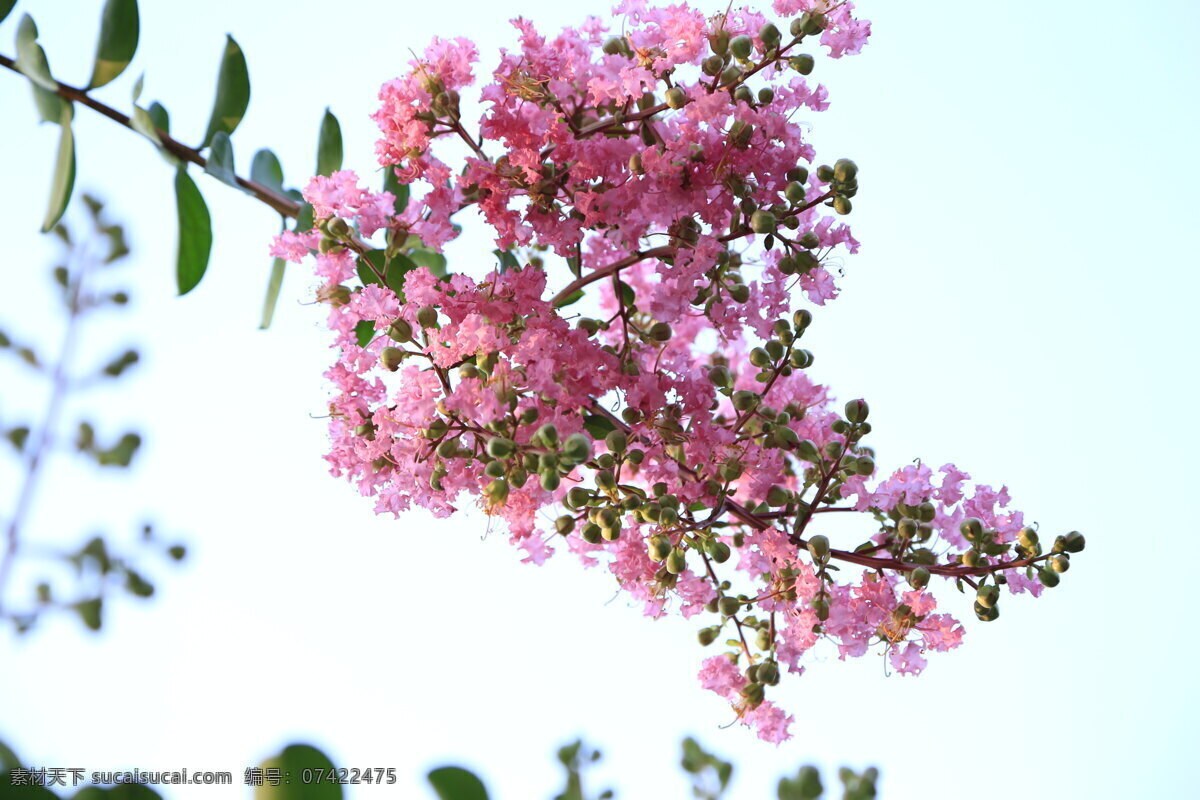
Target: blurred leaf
627,294
23,791
329,145
131,791
31,61
233,92
396,270
118,41
294,760
507,260
137,585
434,262
274,284
64,172
118,366
573,297
160,117
399,190
91,612
364,332
195,233
6,7
18,436
305,219
266,170
455,783
120,454
8,759
598,426
220,160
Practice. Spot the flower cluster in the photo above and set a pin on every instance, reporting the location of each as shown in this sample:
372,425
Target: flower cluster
654,171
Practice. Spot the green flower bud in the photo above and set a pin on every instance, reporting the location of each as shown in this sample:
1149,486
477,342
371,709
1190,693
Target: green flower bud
766,95
1028,538
712,66
970,558
753,694
719,42
676,98
494,469
918,578
857,410
845,170
759,357
448,448
427,317
550,481
801,359
668,516
497,491
564,524
802,63
676,561
807,450
742,94
794,192
864,465
611,534
768,673
802,319
659,547
818,546
1074,542
987,596
577,448
660,332
820,606
744,400
720,552
400,331
1049,578
971,529
616,441
1059,563
659,488
591,533
797,174
986,613
390,358
763,222
578,497
500,447
841,204
739,293
605,480
906,528
708,635
769,35
529,416
547,435
728,606
613,45
778,496
720,376
814,24
741,47
636,456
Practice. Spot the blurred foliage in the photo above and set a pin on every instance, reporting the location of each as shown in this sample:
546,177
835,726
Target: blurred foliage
302,772
78,580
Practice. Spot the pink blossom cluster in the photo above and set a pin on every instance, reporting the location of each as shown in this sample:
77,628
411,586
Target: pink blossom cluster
629,383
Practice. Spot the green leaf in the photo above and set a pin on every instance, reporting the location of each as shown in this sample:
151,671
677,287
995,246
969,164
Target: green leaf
162,120
31,61
598,426
118,41
305,219
6,7
64,172
434,262
627,295
573,297
233,92
329,145
507,258
91,612
456,783
265,169
294,760
394,270
399,190
274,284
195,233
364,332
220,160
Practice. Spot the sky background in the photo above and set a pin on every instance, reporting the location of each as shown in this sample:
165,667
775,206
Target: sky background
1022,306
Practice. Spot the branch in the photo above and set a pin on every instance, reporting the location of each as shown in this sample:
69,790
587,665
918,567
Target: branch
280,203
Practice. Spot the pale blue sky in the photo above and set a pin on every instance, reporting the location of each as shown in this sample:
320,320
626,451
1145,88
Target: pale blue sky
1021,306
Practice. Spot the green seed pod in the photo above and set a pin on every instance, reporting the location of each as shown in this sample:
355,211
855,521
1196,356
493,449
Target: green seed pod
794,192
1059,563
818,546
741,47
845,170
1074,542
778,496
769,35
763,222
564,524
400,331
660,332
971,528
712,66
815,24
739,293
676,98
720,376
427,317
857,410
632,416
720,552
841,204
728,606
577,448
676,561
752,694
988,596
390,358
768,673
719,42
613,45
494,469
1028,538
918,578
707,636
802,63
500,447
